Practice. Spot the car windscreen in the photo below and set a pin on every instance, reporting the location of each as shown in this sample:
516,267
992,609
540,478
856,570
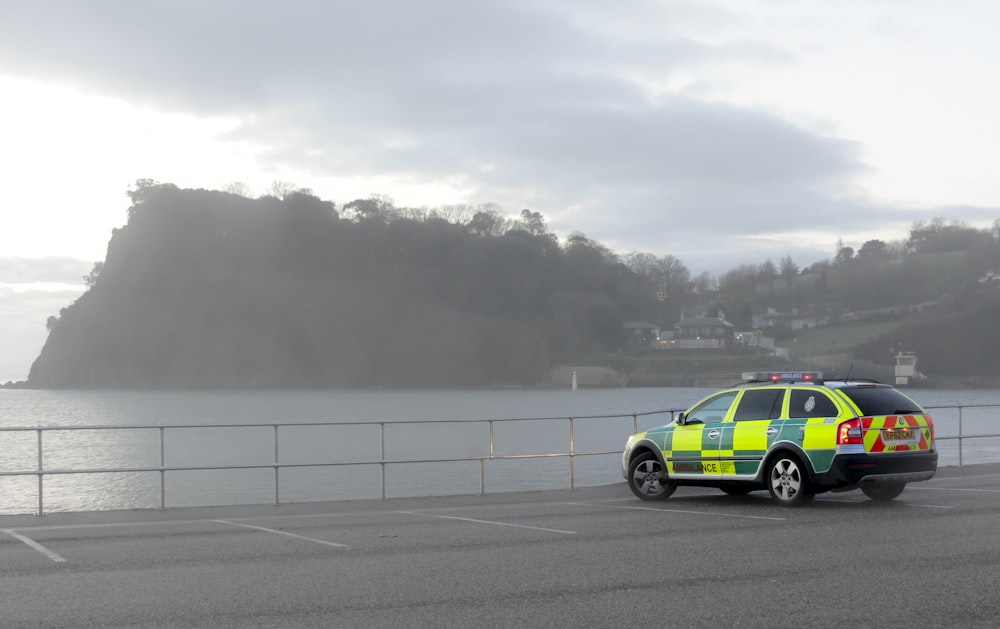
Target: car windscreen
875,401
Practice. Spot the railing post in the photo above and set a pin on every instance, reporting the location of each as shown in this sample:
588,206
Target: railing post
960,436
163,470
635,423
381,436
482,462
277,499
482,476
41,473
572,459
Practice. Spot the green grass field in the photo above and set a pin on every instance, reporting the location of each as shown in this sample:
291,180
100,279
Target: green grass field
836,339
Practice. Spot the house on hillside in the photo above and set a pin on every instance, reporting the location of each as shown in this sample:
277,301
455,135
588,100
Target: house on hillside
642,334
793,320
703,333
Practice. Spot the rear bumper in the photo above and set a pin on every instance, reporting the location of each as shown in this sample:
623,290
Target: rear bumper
850,470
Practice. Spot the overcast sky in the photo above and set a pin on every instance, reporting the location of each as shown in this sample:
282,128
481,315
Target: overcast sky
722,132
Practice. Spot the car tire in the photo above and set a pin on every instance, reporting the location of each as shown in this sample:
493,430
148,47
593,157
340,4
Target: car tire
647,478
788,480
882,492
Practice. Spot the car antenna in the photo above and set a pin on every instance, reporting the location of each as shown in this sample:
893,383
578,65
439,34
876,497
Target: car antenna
850,368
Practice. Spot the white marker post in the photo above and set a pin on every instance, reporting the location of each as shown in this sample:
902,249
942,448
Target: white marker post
574,379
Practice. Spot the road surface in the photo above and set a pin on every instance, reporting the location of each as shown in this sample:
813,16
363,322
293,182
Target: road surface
593,557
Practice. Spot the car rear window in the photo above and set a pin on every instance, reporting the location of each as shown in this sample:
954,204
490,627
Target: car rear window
812,403
881,401
760,404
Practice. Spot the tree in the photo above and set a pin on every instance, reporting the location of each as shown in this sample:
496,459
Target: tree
376,208
703,284
940,237
145,191
739,284
788,271
488,223
845,254
768,272
672,278
533,222
642,264
91,278
282,189
238,188
873,250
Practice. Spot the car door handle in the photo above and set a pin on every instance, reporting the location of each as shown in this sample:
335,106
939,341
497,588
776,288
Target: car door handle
714,434
771,430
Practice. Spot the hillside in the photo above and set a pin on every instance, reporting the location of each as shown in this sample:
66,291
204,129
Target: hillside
206,289
209,289
956,342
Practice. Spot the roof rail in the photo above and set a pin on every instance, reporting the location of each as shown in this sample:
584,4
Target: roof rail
864,380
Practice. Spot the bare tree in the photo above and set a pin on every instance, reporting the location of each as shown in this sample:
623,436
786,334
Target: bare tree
284,189
238,188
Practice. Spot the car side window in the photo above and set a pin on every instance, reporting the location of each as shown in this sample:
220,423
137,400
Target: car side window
807,403
712,410
760,404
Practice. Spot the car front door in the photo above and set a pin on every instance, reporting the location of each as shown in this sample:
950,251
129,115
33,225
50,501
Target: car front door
693,451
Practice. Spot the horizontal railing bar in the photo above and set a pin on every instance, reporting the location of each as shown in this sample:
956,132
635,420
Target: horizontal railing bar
958,406
268,466
386,422
964,436
323,423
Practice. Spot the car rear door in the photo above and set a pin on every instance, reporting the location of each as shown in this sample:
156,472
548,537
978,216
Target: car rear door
750,431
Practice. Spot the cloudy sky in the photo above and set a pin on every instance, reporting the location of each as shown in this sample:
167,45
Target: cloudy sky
722,132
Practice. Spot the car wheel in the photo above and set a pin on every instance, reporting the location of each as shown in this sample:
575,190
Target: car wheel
882,492
647,479
788,480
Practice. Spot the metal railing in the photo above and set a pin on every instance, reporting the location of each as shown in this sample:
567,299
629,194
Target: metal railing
571,453
961,437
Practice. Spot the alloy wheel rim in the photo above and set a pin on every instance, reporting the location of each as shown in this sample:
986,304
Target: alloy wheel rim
648,477
786,480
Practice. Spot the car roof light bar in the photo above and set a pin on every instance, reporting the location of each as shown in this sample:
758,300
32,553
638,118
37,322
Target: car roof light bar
782,376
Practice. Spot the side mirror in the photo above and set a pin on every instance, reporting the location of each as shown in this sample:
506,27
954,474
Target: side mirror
680,418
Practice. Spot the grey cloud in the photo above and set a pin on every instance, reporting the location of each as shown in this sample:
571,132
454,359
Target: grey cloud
55,270
532,105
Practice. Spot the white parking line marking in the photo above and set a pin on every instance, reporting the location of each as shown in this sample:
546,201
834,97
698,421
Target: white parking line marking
944,479
519,526
286,533
991,491
32,543
721,515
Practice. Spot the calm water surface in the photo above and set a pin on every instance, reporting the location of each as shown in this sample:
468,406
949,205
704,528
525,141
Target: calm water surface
603,422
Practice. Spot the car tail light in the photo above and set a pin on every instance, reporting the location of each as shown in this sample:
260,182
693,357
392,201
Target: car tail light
850,432
930,424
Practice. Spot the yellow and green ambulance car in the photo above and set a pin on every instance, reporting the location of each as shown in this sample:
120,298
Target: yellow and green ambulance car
792,434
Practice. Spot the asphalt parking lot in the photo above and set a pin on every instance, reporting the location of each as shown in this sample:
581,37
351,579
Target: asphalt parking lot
593,557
